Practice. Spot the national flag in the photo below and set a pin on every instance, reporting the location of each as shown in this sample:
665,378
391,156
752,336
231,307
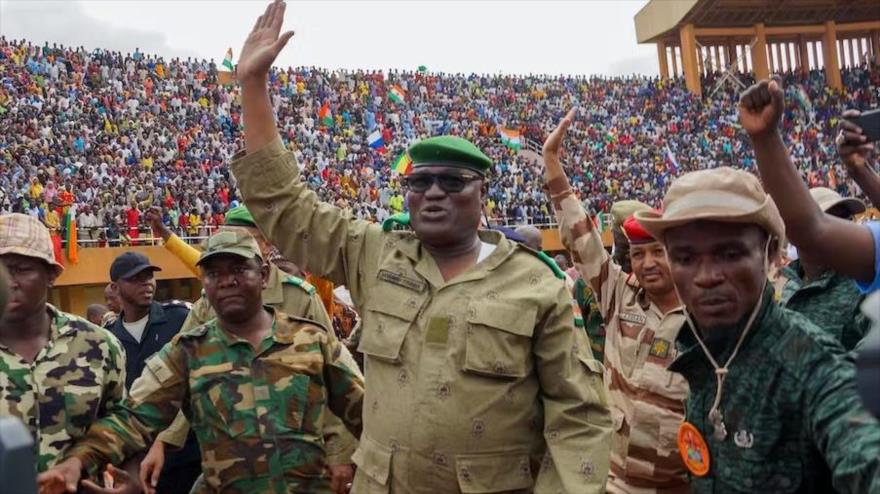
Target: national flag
325,116
227,61
423,69
510,137
397,94
403,165
803,98
376,142
671,162
600,223
70,237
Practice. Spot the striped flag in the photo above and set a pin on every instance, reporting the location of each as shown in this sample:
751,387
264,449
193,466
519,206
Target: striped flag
224,72
397,94
71,237
403,165
227,61
376,142
510,137
325,116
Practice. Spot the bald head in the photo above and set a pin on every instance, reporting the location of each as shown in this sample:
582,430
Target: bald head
95,313
532,236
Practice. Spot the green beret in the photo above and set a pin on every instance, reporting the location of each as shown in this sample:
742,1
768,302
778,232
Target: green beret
621,210
239,216
449,151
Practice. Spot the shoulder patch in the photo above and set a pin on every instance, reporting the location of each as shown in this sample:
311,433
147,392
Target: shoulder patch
195,332
557,271
401,219
295,281
171,304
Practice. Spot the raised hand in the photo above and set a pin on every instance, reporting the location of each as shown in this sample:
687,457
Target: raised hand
263,44
760,107
852,145
554,141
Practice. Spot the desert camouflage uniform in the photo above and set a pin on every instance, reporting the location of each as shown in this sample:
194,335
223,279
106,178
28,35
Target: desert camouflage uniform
646,400
78,377
296,297
831,302
471,380
257,413
794,419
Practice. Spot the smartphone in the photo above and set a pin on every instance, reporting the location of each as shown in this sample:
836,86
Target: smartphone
869,121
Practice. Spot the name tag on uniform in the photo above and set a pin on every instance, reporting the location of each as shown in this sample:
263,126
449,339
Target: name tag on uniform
633,318
401,280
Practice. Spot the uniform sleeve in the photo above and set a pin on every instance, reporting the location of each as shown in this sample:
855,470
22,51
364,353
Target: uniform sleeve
175,435
581,239
156,398
187,254
316,236
114,382
198,315
577,422
843,431
345,386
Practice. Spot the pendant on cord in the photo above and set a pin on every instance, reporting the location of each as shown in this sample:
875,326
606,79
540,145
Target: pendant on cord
719,432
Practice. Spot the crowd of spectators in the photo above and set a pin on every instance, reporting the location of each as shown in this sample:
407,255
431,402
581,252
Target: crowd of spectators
112,134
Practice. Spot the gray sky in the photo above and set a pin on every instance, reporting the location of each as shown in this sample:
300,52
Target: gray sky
513,36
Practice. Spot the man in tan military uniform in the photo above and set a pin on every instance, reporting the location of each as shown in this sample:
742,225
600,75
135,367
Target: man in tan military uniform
643,316
284,292
474,366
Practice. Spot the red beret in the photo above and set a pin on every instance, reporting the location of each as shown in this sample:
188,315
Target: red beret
635,233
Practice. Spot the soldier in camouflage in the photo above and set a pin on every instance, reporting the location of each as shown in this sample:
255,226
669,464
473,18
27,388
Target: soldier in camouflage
284,292
828,299
252,382
58,372
773,405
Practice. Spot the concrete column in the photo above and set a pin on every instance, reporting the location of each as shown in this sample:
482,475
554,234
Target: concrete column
759,54
829,53
661,57
689,59
803,56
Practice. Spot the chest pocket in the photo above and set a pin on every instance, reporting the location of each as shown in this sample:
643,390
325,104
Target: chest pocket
499,340
213,392
386,322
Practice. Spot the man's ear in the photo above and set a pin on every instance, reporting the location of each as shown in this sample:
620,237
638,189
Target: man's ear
264,274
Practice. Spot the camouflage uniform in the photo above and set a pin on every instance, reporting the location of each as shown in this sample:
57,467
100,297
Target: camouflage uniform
647,401
794,419
831,302
257,413
76,378
592,316
471,380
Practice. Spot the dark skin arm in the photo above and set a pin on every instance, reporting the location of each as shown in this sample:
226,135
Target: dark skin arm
857,154
847,247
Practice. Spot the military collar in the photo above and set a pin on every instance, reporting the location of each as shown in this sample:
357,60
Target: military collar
282,331
793,273
273,294
427,267
692,354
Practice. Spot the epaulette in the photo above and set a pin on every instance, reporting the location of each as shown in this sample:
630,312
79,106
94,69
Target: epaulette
401,219
191,333
170,304
557,271
305,285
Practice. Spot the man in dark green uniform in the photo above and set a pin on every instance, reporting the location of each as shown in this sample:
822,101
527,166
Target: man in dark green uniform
773,404
828,299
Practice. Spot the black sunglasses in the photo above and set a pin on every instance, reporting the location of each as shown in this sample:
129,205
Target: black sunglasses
449,183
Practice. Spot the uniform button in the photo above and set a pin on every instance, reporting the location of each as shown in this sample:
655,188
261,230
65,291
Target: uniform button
380,327
375,406
440,459
472,312
492,295
499,367
554,434
395,446
587,469
534,279
465,474
402,377
478,428
524,468
411,303
443,391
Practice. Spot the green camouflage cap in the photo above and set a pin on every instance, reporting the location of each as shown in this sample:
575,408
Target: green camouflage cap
238,243
449,151
239,216
622,210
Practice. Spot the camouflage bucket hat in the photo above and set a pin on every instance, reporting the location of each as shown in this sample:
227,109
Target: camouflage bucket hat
26,236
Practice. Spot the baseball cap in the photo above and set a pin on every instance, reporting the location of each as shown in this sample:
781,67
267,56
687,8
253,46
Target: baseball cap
827,199
129,264
239,216
720,194
26,236
238,243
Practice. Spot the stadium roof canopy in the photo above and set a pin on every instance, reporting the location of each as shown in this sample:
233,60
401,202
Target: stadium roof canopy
661,19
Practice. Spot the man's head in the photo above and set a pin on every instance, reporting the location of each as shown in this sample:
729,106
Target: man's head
832,203
561,261
620,212
132,275
446,190
95,313
234,275
111,298
721,231
647,259
532,237
27,254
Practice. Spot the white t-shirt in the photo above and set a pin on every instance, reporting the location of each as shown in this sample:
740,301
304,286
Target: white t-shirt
486,250
136,329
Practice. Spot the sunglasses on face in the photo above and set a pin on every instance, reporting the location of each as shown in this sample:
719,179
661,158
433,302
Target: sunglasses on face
449,183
